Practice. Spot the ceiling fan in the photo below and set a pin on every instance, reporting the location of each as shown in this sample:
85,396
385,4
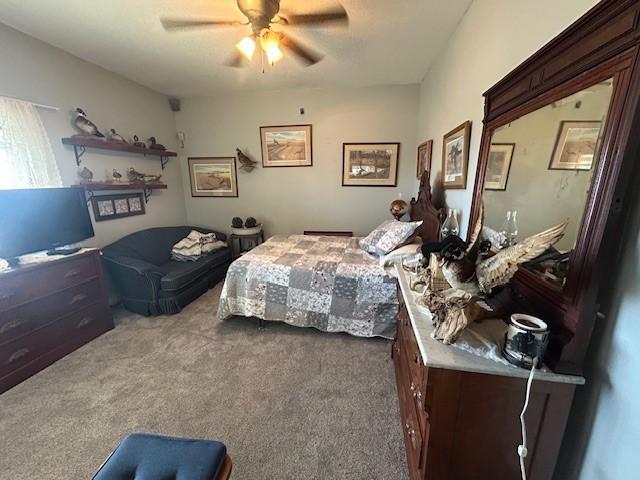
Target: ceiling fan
261,16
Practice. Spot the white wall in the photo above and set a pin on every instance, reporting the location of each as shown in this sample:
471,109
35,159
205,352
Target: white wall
493,37
292,199
35,71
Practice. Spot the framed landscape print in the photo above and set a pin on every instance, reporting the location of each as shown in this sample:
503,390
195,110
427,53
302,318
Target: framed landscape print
286,146
575,145
498,165
110,207
424,158
370,164
213,177
455,156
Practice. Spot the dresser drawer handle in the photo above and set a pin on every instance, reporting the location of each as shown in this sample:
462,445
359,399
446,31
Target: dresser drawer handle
78,298
416,358
84,322
17,355
72,273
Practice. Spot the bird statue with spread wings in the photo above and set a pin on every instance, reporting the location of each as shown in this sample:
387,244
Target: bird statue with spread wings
473,273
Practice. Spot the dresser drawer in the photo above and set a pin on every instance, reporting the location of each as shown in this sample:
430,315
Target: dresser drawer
86,323
31,316
20,287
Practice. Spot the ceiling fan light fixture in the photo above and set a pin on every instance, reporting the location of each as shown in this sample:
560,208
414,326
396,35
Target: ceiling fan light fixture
247,47
270,43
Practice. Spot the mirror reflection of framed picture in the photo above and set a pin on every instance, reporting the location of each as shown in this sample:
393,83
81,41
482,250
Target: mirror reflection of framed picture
455,157
424,158
576,145
498,166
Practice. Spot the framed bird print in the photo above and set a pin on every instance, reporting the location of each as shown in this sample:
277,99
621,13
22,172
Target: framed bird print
423,164
286,146
455,157
213,176
110,207
498,166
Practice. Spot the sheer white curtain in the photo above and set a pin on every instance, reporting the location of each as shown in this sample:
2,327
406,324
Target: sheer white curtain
26,157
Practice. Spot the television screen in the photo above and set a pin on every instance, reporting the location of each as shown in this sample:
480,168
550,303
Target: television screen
38,219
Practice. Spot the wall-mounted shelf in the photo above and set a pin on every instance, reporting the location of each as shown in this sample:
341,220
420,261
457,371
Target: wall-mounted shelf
80,145
147,188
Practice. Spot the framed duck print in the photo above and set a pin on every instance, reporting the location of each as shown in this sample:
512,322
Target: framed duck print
213,176
455,157
370,164
286,146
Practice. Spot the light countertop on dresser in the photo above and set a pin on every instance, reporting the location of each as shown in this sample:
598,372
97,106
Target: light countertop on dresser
435,354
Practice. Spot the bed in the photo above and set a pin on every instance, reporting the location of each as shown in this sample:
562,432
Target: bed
324,282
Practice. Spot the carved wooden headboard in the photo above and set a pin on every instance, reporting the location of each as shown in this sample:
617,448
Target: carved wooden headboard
423,209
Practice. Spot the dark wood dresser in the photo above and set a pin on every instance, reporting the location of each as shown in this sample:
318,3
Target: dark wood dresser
47,310
460,412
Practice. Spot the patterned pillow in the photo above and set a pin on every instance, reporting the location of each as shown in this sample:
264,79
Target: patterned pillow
388,236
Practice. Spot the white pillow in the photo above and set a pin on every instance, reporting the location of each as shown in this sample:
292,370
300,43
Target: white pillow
396,256
388,236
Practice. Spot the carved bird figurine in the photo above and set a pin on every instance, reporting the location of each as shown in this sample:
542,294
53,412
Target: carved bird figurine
246,163
115,137
138,143
135,176
465,270
84,125
153,145
86,175
117,176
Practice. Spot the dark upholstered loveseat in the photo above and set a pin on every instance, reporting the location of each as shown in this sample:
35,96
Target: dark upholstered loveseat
148,282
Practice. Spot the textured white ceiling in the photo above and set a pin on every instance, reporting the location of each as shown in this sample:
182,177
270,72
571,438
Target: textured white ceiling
387,42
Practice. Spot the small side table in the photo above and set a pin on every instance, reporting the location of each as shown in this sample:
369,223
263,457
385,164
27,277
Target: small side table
241,244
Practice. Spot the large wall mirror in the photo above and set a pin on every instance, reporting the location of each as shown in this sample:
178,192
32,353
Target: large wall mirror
538,174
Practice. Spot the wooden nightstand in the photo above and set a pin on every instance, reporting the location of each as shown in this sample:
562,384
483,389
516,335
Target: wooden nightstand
241,244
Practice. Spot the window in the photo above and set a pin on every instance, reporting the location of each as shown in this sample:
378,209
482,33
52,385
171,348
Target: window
26,157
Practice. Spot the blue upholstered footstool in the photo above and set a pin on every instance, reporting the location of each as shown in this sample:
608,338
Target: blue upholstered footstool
153,457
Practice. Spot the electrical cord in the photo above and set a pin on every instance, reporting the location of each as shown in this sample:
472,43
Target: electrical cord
522,449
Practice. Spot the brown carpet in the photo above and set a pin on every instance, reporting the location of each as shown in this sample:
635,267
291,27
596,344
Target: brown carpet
289,403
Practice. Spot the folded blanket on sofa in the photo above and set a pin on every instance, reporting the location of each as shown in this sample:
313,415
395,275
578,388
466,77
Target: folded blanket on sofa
195,245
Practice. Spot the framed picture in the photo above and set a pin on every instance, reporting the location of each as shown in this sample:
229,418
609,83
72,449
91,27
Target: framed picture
213,176
576,145
286,146
370,164
424,158
498,165
455,156
110,207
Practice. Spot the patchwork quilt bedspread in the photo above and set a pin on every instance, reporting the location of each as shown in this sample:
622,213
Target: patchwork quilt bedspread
328,283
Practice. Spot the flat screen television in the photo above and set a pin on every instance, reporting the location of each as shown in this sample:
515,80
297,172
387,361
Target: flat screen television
32,220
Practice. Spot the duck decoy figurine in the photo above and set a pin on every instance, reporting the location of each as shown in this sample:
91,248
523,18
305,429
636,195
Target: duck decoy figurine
86,127
153,145
138,143
115,137
246,163
86,175
134,176
117,176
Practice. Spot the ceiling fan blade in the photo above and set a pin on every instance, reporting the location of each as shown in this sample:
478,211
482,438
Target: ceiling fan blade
304,54
337,16
171,24
236,60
